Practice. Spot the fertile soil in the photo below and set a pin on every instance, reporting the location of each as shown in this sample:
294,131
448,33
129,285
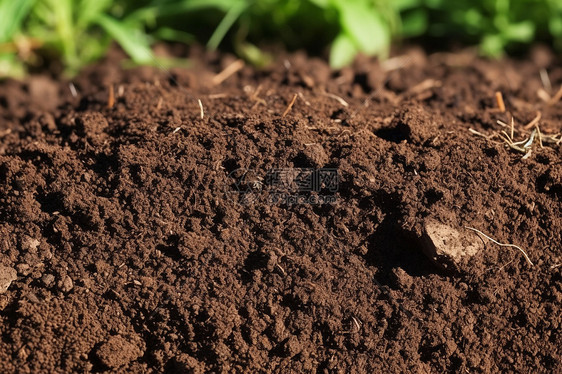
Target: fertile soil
131,240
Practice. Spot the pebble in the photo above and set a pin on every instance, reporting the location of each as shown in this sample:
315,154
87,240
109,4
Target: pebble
30,244
448,247
23,269
7,276
67,284
48,279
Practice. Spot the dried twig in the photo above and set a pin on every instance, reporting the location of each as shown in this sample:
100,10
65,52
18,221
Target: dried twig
306,102
481,134
258,100
556,98
217,96
289,106
5,132
202,112
545,80
500,102
356,323
534,121
543,95
227,72
72,89
397,62
503,245
111,97
421,87
336,97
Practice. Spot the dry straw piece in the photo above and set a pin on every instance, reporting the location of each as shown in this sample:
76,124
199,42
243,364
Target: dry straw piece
111,97
227,72
290,106
499,100
524,146
502,244
202,112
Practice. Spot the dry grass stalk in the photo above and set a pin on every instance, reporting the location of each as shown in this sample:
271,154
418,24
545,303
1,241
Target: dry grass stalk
556,98
336,97
503,245
202,112
290,106
534,122
227,72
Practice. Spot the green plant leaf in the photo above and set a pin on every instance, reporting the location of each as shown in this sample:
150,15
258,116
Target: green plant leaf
13,13
521,32
167,33
414,23
230,17
89,10
343,51
253,54
492,45
555,26
365,26
129,37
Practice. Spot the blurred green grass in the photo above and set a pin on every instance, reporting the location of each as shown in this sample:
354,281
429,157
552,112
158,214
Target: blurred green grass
77,32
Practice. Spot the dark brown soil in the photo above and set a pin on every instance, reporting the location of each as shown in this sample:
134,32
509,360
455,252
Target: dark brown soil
134,251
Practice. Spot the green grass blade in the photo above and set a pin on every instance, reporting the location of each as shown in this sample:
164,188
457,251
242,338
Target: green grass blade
364,24
343,51
129,37
226,23
89,10
13,13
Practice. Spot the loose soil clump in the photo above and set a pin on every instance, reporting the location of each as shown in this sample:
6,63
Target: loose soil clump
138,232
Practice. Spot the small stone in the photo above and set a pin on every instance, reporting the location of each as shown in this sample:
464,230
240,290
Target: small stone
48,279
30,244
67,284
23,269
33,298
117,352
448,247
7,276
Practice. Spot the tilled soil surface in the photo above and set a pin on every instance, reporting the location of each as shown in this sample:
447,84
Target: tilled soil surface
132,240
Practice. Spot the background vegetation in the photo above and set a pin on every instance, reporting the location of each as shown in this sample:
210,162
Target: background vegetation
77,32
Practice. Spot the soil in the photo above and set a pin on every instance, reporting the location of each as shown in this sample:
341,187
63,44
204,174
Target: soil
141,245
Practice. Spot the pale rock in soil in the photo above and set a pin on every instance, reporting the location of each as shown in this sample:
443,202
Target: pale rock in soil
30,244
23,269
66,285
448,247
7,276
48,279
